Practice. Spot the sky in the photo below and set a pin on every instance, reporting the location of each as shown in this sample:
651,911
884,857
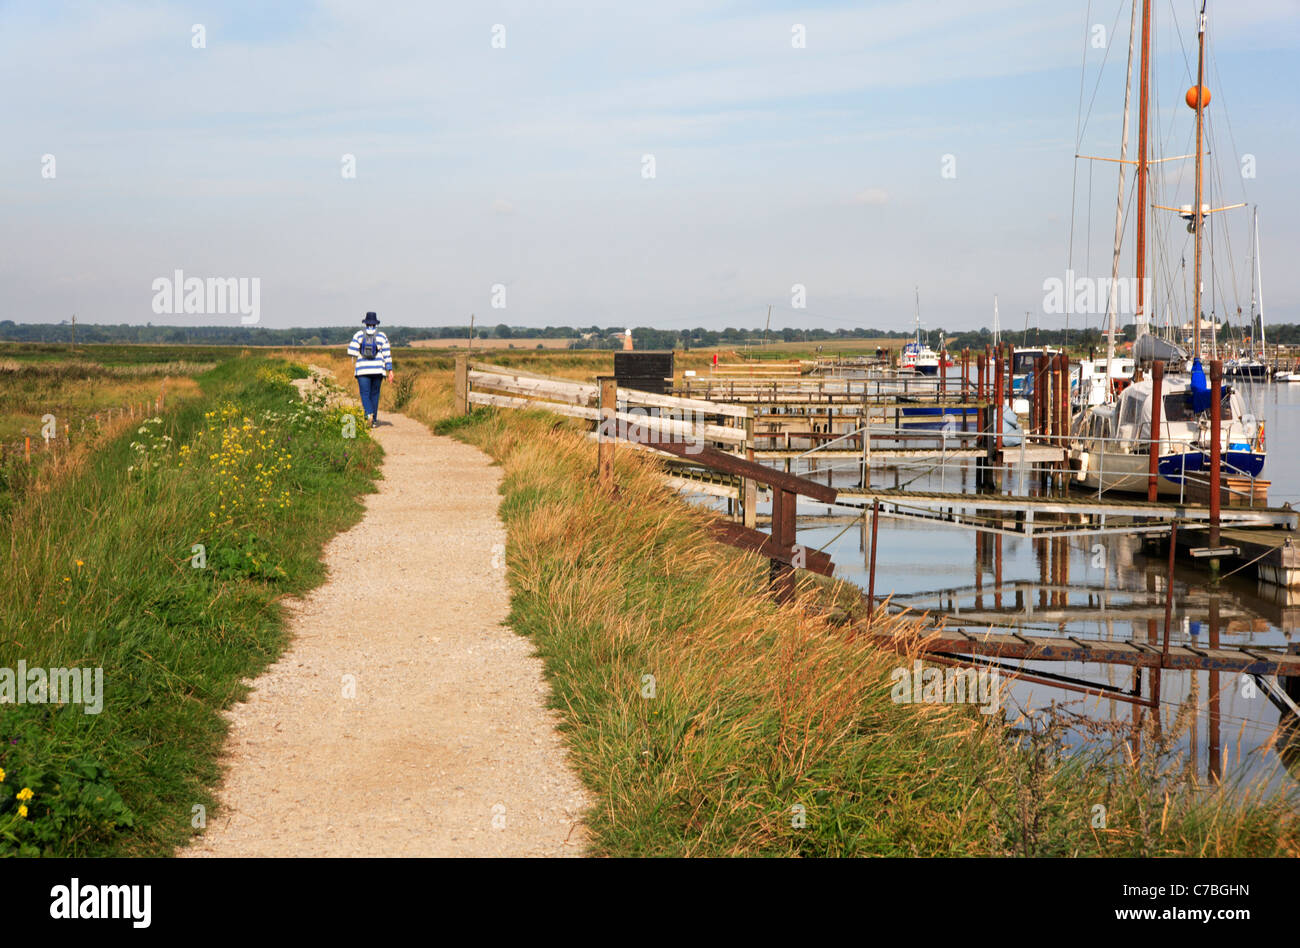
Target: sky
865,152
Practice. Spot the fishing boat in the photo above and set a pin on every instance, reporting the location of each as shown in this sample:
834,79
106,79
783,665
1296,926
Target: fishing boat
917,356
1111,434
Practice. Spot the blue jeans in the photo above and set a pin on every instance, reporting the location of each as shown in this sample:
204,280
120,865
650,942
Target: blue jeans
369,385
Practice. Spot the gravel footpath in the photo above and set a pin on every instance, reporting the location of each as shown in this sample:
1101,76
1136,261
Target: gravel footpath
447,748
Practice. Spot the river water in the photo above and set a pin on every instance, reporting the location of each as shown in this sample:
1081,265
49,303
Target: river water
1098,588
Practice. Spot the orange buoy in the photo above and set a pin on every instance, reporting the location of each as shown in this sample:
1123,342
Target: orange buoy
1191,96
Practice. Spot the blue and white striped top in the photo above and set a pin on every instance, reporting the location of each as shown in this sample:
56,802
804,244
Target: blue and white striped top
382,364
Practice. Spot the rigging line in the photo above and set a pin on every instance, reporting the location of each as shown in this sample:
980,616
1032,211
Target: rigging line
1100,72
1227,118
1187,63
851,523
1078,134
1083,71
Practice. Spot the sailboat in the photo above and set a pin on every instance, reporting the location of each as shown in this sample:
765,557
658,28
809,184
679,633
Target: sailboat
1247,365
1111,438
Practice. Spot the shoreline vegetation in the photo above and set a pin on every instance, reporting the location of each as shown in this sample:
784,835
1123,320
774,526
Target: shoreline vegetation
771,730
161,557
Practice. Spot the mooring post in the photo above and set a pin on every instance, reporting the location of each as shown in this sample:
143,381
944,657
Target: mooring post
1216,423
462,384
1215,751
997,402
1153,463
1063,428
965,373
865,420
606,431
748,486
1169,592
781,578
1008,359
871,568
1063,378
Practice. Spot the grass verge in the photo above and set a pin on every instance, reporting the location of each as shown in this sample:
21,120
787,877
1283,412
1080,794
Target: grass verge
161,561
706,720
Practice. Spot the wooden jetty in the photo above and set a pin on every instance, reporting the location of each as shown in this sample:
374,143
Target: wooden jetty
863,422
958,642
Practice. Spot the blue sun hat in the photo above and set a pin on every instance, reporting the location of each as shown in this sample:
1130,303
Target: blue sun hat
371,319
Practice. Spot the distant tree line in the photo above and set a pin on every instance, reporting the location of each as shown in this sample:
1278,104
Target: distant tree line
582,337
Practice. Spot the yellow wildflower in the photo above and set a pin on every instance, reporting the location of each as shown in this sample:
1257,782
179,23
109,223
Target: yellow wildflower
22,811
24,794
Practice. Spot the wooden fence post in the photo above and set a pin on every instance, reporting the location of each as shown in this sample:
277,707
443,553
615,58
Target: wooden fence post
606,431
462,385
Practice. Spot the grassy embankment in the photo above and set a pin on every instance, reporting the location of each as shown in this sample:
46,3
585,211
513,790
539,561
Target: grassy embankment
103,571
67,401
760,709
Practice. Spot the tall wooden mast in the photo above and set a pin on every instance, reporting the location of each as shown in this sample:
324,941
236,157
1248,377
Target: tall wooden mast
1144,96
1197,217
1119,200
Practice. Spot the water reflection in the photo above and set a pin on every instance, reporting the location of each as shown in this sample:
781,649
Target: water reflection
1112,588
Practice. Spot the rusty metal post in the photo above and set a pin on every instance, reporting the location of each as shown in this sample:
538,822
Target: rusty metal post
606,431
979,381
943,373
781,576
1216,423
1063,397
1008,360
997,402
871,568
1153,465
965,373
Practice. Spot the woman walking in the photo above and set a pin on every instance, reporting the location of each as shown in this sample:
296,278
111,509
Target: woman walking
374,360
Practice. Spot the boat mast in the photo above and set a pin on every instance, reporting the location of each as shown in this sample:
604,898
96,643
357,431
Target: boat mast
997,326
1112,305
1144,84
1259,285
918,316
1197,216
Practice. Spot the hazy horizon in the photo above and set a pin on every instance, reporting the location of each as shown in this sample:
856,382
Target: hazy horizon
500,158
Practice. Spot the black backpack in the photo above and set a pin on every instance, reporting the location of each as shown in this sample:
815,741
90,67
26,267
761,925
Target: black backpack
369,346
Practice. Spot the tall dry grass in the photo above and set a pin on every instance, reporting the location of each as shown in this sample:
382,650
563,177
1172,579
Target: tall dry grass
759,709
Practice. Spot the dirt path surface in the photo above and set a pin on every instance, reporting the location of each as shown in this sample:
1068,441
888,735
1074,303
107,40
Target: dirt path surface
447,748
